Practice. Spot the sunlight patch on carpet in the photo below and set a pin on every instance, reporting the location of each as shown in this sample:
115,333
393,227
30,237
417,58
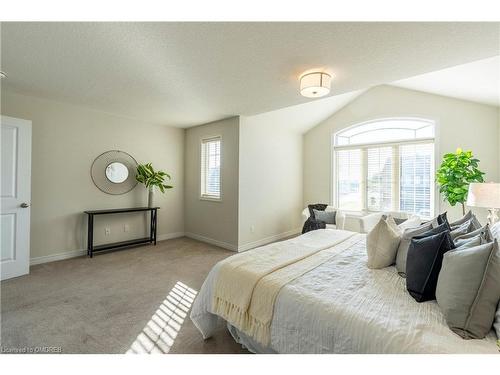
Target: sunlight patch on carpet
160,332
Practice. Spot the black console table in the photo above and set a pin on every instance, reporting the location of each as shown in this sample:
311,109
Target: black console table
90,230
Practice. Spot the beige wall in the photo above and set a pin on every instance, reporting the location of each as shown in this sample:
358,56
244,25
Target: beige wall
270,179
66,140
213,221
460,124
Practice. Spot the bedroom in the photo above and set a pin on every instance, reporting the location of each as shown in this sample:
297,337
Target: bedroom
250,187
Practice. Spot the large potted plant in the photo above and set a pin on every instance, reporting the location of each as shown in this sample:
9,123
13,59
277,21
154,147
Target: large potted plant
456,172
152,179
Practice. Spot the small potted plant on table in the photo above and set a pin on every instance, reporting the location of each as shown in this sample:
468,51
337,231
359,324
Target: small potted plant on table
150,178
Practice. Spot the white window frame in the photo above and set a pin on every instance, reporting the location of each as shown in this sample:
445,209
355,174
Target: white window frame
202,174
395,144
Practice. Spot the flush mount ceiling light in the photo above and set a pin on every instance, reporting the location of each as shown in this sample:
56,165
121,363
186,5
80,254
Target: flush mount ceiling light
2,75
315,84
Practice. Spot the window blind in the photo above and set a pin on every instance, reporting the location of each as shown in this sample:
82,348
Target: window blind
379,179
210,168
349,179
416,178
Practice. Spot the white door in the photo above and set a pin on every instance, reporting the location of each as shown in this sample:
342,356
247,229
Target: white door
15,191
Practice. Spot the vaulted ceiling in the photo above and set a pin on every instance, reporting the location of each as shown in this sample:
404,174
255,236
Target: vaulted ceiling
184,74
478,81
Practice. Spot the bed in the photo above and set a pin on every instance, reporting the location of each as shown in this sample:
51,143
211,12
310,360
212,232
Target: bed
341,306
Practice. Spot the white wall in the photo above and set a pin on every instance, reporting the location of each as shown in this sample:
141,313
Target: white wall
270,200
213,221
66,139
460,124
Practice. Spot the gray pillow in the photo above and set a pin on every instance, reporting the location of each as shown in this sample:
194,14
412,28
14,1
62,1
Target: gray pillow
404,244
465,218
468,289
396,220
326,216
496,325
462,229
483,233
469,242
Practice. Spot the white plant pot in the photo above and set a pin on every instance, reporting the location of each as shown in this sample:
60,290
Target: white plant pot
151,197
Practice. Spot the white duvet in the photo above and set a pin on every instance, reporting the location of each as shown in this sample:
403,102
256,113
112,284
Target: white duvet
343,307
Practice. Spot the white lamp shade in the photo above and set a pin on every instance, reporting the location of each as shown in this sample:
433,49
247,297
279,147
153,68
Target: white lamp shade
484,195
315,85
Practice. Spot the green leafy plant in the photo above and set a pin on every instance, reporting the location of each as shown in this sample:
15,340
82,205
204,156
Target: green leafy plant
151,178
456,172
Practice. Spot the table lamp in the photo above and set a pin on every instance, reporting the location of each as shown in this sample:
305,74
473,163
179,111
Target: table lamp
485,195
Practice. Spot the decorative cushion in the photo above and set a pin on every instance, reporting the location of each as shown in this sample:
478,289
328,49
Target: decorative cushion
462,229
442,218
412,222
484,232
404,244
464,218
496,325
327,216
425,256
316,206
495,231
469,242
382,244
431,232
396,220
468,289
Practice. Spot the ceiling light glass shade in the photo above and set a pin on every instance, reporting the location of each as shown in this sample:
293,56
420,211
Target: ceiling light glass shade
315,85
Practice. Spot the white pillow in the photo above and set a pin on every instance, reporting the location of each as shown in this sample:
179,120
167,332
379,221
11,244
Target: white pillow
495,231
382,244
412,222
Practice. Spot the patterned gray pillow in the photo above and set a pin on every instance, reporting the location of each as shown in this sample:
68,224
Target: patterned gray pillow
468,289
462,229
326,216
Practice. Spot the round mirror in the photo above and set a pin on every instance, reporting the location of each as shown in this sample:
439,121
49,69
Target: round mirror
116,172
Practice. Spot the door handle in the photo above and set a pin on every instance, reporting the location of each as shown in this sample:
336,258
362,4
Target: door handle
24,205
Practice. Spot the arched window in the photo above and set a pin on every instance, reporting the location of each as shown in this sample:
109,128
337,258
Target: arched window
385,165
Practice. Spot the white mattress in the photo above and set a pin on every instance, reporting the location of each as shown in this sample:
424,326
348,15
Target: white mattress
344,307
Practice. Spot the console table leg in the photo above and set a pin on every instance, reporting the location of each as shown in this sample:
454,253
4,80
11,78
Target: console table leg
91,235
154,225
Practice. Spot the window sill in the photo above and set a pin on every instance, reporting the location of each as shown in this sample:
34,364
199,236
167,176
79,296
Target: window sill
210,199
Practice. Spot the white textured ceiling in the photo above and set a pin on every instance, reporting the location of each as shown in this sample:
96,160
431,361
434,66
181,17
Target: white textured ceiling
478,81
183,74
302,117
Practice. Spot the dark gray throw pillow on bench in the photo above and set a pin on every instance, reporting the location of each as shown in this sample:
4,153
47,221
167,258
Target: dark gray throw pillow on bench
328,217
425,256
468,289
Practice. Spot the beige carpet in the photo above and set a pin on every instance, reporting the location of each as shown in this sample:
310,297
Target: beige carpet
133,300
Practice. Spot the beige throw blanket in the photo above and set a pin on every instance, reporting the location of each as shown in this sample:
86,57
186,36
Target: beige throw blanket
247,284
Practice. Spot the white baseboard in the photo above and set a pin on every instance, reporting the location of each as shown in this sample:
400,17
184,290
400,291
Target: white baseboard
78,253
265,241
169,236
58,256
212,241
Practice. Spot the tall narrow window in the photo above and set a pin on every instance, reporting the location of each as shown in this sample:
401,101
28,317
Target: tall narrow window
386,165
379,181
416,178
210,168
349,179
